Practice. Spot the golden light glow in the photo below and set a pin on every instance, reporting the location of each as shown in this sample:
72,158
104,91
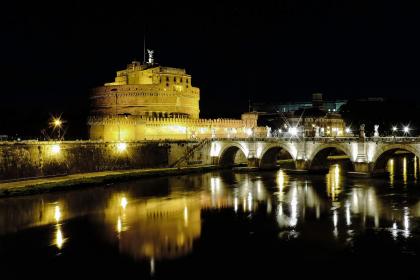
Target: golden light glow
57,122
57,213
59,240
119,225
405,170
333,182
121,147
186,216
55,149
124,202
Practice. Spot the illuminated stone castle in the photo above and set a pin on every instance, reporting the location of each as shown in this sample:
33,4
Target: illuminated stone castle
151,102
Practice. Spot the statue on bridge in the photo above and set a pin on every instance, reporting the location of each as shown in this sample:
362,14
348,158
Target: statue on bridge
316,131
376,133
269,132
362,131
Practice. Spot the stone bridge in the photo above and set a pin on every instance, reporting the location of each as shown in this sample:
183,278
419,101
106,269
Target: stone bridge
366,155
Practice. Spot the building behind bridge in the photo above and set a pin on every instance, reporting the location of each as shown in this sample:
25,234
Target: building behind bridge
291,106
318,118
151,102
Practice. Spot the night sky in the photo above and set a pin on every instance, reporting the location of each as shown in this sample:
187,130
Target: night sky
53,54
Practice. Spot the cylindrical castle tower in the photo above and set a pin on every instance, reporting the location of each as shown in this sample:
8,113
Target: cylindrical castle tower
149,91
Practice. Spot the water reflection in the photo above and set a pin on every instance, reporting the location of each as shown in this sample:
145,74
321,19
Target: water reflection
58,236
334,180
156,228
163,218
391,170
402,168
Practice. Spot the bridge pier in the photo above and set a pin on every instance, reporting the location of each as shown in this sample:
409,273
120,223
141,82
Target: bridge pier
302,164
215,160
253,162
362,167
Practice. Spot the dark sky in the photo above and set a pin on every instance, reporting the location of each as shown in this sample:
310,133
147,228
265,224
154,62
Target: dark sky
52,54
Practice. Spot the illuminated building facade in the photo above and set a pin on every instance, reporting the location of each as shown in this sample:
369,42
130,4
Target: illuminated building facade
151,102
312,121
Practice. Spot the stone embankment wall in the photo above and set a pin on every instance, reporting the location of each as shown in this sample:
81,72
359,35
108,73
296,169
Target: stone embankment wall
20,160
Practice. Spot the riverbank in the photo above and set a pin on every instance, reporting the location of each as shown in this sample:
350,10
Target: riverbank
82,180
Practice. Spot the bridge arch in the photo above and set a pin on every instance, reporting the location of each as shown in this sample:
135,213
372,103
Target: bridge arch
319,157
229,153
270,154
382,155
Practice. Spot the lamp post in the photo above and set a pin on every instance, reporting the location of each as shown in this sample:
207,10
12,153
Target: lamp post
394,130
57,123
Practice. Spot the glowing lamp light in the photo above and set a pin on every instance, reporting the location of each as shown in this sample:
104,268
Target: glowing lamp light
57,213
55,149
57,122
406,129
394,128
124,202
248,131
293,131
121,147
348,130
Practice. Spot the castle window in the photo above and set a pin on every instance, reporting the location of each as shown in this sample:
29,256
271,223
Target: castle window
167,78
167,84
181,80
174,79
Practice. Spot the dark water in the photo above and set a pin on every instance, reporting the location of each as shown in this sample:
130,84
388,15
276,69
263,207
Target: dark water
219,224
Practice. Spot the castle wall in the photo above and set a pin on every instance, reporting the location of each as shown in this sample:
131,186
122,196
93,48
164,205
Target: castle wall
35,159
131,128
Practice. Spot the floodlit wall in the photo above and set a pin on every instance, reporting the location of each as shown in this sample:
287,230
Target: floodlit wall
20,160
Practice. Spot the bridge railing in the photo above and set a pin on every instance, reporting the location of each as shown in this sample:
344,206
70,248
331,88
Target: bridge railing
392,139
325,139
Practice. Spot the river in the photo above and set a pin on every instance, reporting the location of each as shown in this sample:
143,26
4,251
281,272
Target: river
218,223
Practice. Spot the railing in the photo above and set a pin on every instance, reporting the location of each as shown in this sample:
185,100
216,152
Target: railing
387,139
325,139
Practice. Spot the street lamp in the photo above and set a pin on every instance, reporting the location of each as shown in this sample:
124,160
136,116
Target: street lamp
406,129
293,131
57,123
394,130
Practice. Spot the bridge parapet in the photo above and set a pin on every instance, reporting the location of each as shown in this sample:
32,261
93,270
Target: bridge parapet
363,153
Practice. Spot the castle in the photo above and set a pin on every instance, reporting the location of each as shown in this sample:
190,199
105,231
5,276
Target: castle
150,102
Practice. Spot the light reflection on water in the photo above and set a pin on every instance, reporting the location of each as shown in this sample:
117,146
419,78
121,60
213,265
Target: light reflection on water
163,218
